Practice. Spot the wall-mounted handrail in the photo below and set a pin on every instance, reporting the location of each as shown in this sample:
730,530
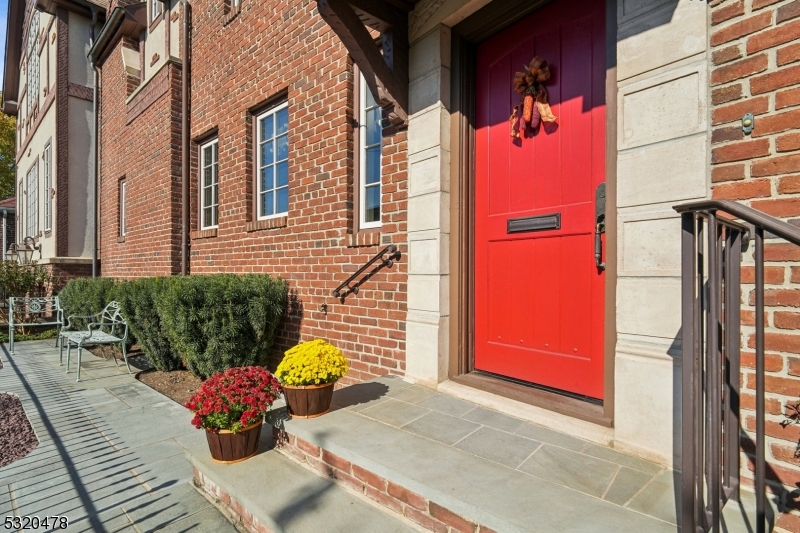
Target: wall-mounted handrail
711,259
387,256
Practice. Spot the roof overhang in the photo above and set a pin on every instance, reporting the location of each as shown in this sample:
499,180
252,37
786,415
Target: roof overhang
128,21
14,29
81,7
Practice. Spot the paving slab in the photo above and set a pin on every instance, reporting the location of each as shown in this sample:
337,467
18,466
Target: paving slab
106,444
394,412
498,446
442,428
304,502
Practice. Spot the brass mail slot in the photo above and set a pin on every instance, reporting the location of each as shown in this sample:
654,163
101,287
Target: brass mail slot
540,223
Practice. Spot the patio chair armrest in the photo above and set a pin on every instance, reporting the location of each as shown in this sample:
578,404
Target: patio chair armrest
69,319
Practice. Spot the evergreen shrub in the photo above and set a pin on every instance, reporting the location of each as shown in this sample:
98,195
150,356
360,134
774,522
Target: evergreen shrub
85,296
222,321
137,301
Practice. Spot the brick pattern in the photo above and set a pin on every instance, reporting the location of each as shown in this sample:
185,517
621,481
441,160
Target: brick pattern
62,134
314,248
424,512
146,151
755,70
80,91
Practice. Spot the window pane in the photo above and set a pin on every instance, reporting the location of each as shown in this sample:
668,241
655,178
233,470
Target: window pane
369,100
267,181
282,125
267,153
266,128
206,156
262,207
283,200
216,194
269,204
206,176
373,126
372,170
216,151
206,196
282,148
207,217
283,174
372,204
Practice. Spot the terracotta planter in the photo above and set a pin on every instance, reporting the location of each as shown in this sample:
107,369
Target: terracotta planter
308,401
228,447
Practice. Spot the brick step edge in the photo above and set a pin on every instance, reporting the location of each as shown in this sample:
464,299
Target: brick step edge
413,506
242,519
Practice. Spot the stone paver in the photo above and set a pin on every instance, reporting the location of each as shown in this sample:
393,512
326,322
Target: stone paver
111,453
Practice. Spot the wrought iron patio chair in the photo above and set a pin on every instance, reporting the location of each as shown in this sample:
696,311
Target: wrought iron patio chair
46,309
109,328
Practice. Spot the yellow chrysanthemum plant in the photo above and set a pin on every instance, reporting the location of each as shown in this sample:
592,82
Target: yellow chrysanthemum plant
312,363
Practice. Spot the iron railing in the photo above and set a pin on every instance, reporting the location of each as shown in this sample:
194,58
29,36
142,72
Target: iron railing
712,246
387,257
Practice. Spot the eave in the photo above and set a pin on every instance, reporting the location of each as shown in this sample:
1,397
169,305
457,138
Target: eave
128,21
14,30
383,62
81,7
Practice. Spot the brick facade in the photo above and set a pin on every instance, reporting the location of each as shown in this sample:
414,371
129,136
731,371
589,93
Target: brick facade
754,54
239,64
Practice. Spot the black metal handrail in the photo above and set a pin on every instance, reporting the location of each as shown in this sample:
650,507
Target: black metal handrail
387,256
711,341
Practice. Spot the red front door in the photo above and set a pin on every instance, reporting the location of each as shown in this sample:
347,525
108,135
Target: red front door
538,293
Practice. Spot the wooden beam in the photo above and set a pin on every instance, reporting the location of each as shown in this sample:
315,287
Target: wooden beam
391,16
389,89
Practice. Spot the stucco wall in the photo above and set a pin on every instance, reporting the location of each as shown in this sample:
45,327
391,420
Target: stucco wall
79,36
81,168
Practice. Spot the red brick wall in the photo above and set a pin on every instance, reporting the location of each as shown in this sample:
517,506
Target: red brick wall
755,69
269,48
145,150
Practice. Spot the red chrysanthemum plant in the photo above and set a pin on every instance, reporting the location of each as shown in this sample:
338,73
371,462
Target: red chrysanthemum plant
234,399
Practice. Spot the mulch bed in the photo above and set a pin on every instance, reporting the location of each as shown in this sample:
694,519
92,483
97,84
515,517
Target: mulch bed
179,385
17,438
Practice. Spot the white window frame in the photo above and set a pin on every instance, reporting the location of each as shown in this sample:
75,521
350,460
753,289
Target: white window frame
156,8
47,159
362,161
213,167
259,167
123,215
32,201
32,73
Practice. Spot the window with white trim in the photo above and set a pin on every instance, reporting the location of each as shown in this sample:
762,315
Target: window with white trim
32,222
48,185
123,196
209,184
370,136
272,175
32,72
155,9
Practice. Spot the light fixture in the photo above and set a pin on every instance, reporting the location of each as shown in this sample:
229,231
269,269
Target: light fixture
24,250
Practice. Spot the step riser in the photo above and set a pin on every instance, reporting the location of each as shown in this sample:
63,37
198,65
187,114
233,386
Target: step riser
234,511
413,506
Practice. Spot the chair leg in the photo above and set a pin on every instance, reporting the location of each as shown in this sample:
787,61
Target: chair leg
80,349
125,356
60,351
11,338
113,356
69,355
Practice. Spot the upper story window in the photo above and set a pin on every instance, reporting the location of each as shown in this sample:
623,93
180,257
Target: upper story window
48,185
273,162
156,8
32,222
369,159
209,184
33,62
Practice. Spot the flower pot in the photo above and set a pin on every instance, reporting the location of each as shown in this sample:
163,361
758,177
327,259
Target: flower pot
308,401
228,447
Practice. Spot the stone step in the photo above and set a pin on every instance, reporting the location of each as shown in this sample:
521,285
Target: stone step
450,465
270,493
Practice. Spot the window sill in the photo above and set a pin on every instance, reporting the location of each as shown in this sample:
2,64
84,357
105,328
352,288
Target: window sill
121,239
204,233
232,13
364,238
270,223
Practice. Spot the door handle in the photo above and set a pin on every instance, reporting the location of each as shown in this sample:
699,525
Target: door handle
600,225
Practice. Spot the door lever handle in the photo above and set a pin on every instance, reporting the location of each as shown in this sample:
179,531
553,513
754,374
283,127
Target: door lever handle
600,228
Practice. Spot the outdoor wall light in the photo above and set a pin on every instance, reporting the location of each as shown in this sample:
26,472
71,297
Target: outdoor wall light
24,250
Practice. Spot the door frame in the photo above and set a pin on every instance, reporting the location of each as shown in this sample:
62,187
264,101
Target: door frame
465,37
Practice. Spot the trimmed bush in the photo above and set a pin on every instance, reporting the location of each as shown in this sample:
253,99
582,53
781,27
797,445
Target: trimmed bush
137,301
222,321
85,296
